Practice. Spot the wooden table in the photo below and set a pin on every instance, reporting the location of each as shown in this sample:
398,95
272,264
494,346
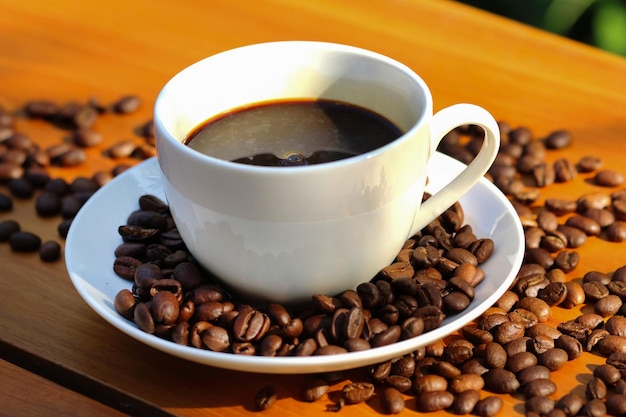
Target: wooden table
55,351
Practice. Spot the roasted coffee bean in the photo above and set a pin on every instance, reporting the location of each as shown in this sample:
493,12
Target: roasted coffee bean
595,389
590,320
22,241
602,217
523,316
250,324
357,392
532,373
21,188
553,359
50,251
314,389
539,388
8,228
391,401
593,201
488,406
446,369
543,329
609,374
466,382
464,402
126,104
608,178
215,338
608,306
589,163
571,403
48,204
86,138
500,381
586,224
540,344
571,345
560,206
610,344
430,383
539,256
522,344
594,408
594,290
572,328
433,401
616,325
616,232
482,249
538,307
575,237
553,294
567,261
520,361
575,295
400,383
541,405
265,398
564,170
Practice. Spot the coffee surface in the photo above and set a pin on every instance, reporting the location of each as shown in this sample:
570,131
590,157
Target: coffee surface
292,133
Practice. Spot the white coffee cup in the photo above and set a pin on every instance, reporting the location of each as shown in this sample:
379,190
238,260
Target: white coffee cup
286,233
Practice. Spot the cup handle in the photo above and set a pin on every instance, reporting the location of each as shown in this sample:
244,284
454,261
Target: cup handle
443,122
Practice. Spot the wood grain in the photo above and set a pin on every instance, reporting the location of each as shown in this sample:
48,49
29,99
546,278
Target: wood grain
72,51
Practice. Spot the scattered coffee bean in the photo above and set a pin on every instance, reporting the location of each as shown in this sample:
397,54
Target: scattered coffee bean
265,398
50,251
24,242
8,228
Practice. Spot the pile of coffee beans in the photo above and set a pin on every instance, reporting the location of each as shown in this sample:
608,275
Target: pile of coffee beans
433,276
511,351
24,165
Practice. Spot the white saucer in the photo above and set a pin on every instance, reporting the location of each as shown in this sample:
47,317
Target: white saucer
93,238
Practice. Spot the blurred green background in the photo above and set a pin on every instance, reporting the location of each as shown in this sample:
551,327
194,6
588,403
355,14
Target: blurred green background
601,23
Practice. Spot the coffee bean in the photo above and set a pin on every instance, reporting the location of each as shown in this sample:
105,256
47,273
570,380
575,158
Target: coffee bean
589,163
22,241
500,381
608,178
594,408
532,373
539,388
541,405
126,104
8,228
560,206
595,389
357,392
553,359
564,169
391,401
608,306
571,403
610,344
265,398
433,401
50,251
616,232
609,374
488,406
314,389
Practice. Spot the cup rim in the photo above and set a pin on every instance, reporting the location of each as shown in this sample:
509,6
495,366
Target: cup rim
290,170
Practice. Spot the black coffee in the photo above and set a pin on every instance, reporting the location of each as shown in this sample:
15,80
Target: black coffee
292,133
